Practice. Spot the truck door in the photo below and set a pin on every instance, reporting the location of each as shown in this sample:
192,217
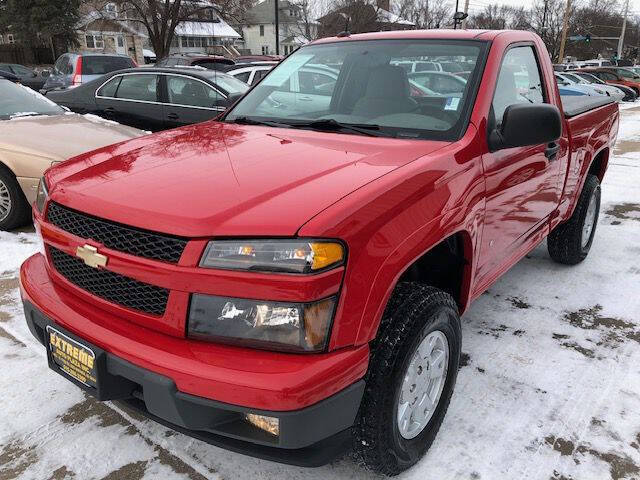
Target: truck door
522,183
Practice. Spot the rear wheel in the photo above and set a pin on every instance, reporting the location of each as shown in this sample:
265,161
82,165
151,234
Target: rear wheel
570,242
413,369
14,208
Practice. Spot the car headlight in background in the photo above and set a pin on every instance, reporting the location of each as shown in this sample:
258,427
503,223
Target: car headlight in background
289,256
302,327
42,195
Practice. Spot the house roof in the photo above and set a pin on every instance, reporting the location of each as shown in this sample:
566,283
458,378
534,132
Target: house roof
264,12
94,16
207,29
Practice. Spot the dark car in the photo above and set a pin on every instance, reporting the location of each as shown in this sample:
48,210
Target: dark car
26,76
155,98
73,69
9,76
259,58
212,62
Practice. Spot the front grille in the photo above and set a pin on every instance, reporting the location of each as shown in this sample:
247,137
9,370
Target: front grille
119,237
111,286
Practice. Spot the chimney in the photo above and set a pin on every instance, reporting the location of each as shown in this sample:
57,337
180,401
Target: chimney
384,4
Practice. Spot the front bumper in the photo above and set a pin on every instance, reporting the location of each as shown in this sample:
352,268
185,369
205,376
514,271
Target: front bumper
309,436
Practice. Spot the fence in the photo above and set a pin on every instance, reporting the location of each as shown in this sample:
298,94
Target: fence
24,55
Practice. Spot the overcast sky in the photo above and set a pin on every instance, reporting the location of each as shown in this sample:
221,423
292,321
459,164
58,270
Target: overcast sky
478,5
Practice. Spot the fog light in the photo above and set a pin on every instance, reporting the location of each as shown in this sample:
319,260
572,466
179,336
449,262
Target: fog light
268,424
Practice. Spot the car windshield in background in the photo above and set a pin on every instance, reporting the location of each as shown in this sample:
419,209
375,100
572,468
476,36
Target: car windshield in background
373,87
99,65
228,83
623,72
20,101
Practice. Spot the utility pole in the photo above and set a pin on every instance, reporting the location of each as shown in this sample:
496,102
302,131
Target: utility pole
277,20
466,11
455,20
565,26
624,29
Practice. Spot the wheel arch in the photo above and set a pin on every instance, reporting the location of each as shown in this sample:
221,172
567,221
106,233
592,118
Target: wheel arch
416,266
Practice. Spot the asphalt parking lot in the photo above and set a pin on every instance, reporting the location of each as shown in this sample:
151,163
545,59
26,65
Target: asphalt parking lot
549,388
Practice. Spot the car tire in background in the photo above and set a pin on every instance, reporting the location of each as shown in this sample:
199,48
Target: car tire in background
14,208
416,353
569,243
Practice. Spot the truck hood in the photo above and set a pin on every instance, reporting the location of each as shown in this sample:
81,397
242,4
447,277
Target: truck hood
217,179
60,137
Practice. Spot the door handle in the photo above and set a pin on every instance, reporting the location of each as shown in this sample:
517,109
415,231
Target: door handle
551,152
173,116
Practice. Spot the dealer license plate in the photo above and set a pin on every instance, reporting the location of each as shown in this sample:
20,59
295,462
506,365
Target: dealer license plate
73,358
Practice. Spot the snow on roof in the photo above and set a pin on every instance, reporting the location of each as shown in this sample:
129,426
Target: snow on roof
207,29
388,17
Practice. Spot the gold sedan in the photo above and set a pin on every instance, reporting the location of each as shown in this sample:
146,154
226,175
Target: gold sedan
36,133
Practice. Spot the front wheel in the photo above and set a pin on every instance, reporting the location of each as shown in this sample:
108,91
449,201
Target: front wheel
14,208
570,242
412,372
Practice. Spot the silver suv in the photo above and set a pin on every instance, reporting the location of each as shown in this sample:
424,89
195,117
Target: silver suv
73,69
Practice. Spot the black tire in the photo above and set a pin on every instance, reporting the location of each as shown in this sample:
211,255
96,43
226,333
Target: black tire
414,311
19,210
565,241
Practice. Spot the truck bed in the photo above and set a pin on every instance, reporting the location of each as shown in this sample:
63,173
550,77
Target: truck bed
576,105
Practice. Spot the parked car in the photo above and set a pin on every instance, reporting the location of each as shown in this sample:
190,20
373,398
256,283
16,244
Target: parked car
28,77
34,134
589,88
287,282
440,82
155,98
598,62
74,69
211,62
258,58
411,66
566,89
614,75
250,73
9,76
629,93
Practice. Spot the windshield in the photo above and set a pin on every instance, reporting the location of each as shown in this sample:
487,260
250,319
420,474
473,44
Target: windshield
229,84
573,77
372,84
19,101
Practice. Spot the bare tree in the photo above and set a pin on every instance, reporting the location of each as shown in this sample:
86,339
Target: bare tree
160,18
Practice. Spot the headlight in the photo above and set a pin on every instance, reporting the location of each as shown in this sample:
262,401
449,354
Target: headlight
269,325
42,195
292,256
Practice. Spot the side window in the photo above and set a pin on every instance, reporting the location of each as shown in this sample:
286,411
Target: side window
185,91
138,87
259,75
109,89
244,76
608,76
518,81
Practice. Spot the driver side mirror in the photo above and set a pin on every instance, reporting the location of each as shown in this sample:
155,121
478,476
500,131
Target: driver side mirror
527,124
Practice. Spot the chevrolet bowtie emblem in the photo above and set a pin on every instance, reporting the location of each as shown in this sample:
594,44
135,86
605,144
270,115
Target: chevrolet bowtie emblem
91,256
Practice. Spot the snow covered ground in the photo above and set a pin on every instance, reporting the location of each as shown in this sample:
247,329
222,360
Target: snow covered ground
550,387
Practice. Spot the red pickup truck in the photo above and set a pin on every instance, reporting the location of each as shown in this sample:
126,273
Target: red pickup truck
287,281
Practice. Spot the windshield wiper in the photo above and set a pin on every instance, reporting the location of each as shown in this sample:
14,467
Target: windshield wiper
244,120
26,114
330,124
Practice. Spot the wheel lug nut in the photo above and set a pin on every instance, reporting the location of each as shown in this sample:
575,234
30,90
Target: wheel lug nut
420,370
